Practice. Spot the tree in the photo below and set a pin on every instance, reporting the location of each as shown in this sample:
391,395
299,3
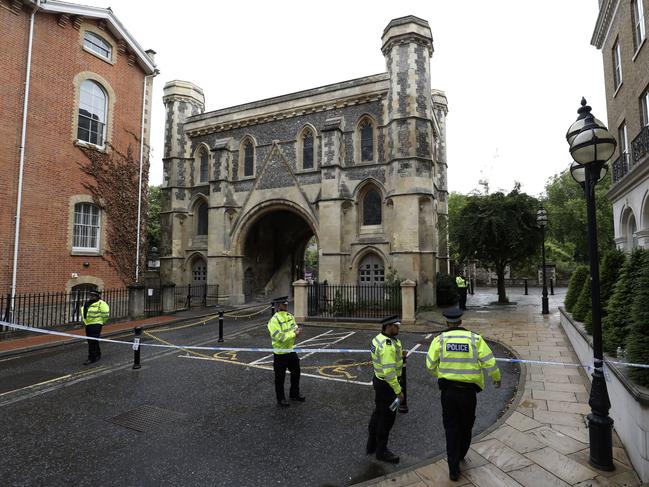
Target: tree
637,342
456,202
153,218
565,202
617,322
583,304
498,229
574,287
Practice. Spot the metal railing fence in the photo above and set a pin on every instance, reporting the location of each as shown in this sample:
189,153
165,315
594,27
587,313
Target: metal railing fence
353,300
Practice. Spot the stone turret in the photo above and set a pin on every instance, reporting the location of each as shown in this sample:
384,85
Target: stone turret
182,99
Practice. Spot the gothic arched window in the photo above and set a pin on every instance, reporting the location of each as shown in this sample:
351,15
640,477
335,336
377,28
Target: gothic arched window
201,213
367,141
204,165
307,149
372,207
248,159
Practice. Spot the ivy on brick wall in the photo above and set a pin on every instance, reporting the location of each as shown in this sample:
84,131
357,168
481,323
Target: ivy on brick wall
114,188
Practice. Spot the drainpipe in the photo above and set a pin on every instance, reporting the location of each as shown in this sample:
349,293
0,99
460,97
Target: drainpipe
139,189
21,169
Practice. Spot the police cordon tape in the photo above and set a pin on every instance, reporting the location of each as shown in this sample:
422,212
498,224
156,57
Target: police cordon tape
297,349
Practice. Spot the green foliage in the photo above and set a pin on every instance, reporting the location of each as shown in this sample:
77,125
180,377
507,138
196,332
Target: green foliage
617,322
446,290
311,256
583,304
574,287
566,207
456,202
609,271
637,343
153,219
498,229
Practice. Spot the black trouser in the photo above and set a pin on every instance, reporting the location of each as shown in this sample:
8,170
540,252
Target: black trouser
462,291
382,418
458,413
281,362
94,352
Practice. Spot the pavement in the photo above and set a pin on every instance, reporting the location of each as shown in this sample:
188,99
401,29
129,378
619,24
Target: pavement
532,434
542,440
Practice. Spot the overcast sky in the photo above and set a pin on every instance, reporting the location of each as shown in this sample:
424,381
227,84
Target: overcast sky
514,71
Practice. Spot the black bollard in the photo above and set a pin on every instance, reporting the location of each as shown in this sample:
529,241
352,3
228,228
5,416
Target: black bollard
472,285
220,326
136,347
525,281
403,380
551,287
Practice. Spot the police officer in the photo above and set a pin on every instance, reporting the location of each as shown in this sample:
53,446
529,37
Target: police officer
387,359
283,330
457,357
462,285
94,314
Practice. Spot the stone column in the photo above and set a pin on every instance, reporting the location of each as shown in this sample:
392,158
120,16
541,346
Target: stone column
300,296
136,297
168,291
408,302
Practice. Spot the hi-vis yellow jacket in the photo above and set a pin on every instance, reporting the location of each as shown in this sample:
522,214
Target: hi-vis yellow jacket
460,282
387,360
282,328
460,355
97,313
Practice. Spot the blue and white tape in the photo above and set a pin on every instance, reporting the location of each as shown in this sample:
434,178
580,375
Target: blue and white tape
140,344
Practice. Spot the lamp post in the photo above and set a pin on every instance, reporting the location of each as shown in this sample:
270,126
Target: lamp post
542,221
591,146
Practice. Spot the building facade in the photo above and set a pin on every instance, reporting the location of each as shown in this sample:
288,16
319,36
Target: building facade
620,33
72,79
360,165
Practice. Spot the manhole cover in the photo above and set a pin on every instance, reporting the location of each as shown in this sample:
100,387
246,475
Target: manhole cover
146,418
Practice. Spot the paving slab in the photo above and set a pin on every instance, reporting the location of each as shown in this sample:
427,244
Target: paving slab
518,441
490,476
535,476
557,440
501,455
561,465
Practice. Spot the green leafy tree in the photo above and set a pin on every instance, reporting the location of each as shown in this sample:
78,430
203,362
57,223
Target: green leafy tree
566,205
609,272
574,287
153,219
617,322
456,202
583,304
499,230
637,342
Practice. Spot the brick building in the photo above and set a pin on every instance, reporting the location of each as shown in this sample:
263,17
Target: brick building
78,80
620,33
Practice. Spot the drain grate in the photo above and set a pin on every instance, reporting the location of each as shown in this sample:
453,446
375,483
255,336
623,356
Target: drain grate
146,418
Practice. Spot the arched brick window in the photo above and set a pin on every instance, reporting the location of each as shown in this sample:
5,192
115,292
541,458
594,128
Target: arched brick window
248,158
367,141
308,148
201,215
93,110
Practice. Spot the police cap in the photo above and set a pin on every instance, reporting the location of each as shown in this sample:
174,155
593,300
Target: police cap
390,320
280,300
95,293
453,315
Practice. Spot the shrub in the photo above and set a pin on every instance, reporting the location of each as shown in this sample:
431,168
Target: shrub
583,304
446,290
574,287
616,323
637,342
609,272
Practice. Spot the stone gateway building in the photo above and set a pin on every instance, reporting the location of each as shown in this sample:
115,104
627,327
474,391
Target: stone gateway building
360,165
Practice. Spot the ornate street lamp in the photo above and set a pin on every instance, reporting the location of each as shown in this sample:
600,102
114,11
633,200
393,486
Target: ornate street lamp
542,221
591,146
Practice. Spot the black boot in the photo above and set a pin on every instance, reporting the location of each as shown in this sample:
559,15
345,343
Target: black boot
387,456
